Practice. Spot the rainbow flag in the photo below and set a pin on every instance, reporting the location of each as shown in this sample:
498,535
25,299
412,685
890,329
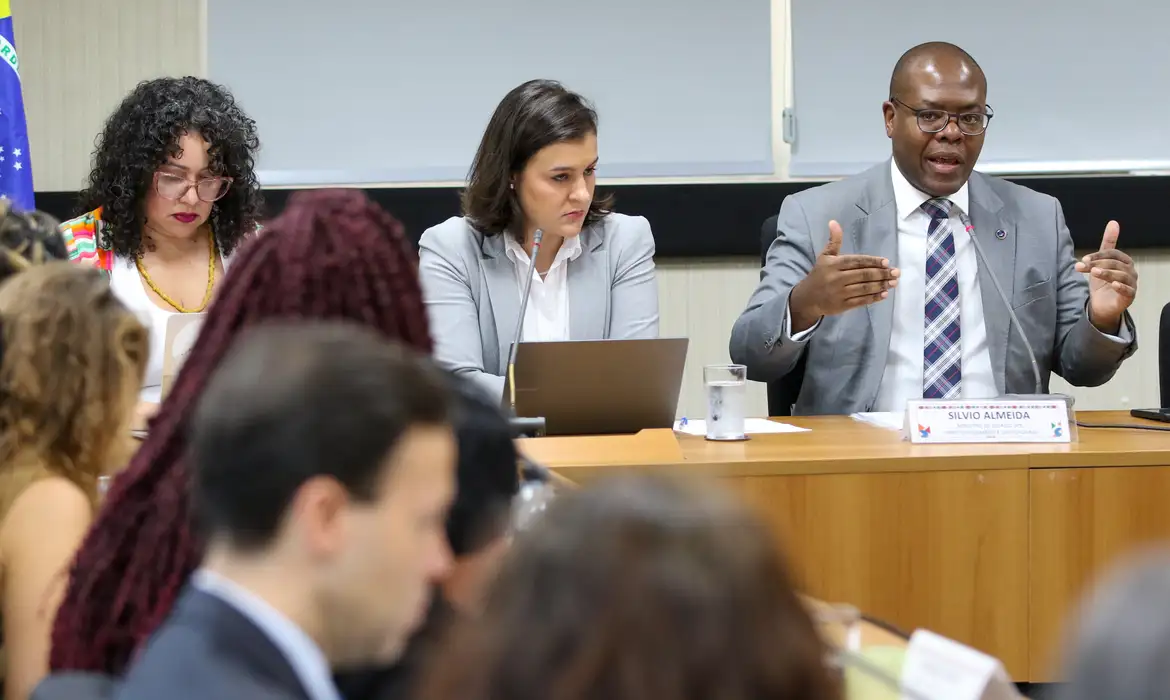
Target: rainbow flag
16,181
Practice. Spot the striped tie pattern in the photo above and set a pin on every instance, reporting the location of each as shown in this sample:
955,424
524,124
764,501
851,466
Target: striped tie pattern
942,358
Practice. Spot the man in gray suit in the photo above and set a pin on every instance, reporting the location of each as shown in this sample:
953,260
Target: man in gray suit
875,279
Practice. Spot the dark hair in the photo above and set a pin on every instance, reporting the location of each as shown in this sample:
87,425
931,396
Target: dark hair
639,587
534,115
144,131
291,402
332,254
488,476
27,239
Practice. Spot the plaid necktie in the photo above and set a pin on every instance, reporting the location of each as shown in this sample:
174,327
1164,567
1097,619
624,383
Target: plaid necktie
942,366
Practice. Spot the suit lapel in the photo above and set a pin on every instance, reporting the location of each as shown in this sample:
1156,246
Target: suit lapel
987,218
588,289
500,274
243,642
875,232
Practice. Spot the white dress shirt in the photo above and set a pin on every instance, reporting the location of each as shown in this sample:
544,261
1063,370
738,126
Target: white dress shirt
903,374
547,317
127,285
902,380
301,652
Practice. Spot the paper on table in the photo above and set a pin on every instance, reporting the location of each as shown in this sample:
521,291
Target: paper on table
937,667
888,420
750,426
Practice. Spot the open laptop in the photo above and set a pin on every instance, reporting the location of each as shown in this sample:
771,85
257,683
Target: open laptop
596,387
182,330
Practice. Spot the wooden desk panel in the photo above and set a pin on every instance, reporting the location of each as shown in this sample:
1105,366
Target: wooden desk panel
909,532
945,550
1082,522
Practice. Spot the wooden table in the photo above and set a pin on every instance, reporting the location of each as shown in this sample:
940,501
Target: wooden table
991,545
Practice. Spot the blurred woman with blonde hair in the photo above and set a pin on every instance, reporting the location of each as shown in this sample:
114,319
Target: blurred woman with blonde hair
71,363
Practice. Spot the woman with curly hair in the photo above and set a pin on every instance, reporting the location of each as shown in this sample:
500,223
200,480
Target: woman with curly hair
331,254
60,429
171,195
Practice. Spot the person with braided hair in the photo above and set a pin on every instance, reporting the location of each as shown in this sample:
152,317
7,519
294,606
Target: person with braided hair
171,195
71,361
331,254
27,239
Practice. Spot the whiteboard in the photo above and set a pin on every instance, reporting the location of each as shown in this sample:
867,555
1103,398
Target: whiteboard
1075,88
360,92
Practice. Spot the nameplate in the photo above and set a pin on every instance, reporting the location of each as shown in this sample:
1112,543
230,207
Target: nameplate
989,420
937,667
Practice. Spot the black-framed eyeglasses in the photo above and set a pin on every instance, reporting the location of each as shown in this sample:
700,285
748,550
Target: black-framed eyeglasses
932,121
208,189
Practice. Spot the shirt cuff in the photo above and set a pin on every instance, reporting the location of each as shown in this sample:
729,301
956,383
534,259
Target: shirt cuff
1124,336
786,330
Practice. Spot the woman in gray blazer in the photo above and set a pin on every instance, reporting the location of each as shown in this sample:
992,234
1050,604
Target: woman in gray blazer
594,273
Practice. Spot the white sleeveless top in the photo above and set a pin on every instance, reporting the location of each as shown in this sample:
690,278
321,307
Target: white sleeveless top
129,288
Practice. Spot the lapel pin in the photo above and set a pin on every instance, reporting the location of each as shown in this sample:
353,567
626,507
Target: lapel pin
1001,234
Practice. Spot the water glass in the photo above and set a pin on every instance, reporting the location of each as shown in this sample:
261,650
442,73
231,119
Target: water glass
726,398
530,503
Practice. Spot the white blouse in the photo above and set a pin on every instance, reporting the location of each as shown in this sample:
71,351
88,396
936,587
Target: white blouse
547,317
130,289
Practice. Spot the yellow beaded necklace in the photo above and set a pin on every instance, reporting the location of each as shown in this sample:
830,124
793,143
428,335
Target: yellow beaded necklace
210,280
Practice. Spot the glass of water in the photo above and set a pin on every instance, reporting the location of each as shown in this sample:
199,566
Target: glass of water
530,503
726,397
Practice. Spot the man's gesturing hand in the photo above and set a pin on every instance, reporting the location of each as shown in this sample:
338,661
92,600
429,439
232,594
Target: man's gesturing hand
1112,282
838,283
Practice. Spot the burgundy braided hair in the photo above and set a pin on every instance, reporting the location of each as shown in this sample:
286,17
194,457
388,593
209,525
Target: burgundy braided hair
331,254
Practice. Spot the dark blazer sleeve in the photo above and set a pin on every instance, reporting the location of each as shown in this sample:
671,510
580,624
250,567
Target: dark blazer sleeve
75,685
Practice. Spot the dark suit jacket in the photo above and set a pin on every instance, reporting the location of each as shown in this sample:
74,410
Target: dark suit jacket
76,685
207,650
397,682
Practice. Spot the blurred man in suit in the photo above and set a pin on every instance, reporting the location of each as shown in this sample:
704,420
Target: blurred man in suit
323,465
478,529
875,277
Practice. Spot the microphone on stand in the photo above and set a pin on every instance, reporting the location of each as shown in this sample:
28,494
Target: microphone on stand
1038,384
529,426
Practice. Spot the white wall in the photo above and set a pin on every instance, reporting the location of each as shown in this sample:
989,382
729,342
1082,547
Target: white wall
79,57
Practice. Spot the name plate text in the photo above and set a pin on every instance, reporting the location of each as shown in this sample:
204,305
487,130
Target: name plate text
979,420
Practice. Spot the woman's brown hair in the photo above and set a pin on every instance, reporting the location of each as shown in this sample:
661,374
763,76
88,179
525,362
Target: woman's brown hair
71,361
639,587
534,115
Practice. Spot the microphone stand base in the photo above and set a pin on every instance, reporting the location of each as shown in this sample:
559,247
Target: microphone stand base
526,427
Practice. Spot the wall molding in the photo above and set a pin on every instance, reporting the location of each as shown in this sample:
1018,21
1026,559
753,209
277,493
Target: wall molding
705,220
